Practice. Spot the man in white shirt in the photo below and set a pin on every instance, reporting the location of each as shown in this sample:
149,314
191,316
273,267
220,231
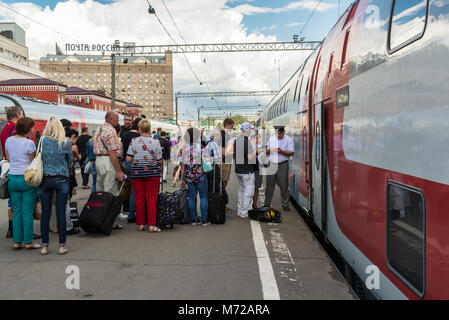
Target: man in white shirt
279,149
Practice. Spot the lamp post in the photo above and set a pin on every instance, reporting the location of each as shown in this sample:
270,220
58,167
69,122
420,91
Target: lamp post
199,119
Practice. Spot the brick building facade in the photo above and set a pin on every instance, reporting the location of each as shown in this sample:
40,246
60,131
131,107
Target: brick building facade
92,99
43,89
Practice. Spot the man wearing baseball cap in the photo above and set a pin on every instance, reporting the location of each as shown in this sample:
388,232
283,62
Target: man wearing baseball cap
245,162
279,148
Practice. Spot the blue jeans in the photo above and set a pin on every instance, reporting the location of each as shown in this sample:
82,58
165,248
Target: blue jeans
94,176
46,189
193,191
132,198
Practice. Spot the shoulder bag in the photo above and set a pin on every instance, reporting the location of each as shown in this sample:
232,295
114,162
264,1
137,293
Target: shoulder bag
4,192
35,171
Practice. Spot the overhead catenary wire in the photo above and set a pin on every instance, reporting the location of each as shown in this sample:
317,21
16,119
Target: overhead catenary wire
185,41
168,33
310,17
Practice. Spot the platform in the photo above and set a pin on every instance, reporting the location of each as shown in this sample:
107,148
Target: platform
241,260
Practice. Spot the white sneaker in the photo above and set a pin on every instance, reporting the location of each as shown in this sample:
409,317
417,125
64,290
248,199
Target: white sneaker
122,216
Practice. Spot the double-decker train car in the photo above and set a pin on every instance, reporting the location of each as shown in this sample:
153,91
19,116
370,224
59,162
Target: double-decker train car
41,111
368,112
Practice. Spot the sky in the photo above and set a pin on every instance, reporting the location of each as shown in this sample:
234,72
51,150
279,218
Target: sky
199,21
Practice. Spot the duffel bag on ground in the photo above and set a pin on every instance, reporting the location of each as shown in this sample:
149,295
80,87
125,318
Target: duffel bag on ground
265,214
100,211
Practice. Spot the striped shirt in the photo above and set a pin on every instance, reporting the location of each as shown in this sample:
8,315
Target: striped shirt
213,151
146,152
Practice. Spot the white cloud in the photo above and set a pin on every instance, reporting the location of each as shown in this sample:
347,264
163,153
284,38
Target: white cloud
201,21
248,9
295,24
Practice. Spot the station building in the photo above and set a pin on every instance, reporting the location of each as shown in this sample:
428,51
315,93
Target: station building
40,88
134,109
14,58
92,99
146,81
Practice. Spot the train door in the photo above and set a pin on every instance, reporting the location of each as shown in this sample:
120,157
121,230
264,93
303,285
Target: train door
318,167
295,163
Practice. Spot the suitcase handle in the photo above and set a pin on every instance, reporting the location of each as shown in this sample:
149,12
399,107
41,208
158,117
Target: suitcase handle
116,186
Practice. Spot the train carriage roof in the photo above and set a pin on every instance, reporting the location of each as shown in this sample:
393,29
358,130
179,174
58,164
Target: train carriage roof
38,109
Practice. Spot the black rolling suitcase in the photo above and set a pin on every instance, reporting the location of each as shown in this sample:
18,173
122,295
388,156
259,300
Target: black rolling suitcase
100,212
216,212
74,215
183,196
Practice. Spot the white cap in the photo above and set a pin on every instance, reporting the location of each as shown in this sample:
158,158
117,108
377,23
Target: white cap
246,126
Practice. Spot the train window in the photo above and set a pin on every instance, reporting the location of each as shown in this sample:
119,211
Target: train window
343,97
296,90
300,88
331,61
286,100
317,145
304,143
6,102
316,75
407,23
406,235
345,46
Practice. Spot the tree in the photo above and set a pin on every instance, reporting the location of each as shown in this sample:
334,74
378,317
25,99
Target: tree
238,120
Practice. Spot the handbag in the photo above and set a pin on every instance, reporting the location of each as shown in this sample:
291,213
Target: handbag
88,168
38,210
35,171
4,192
207,165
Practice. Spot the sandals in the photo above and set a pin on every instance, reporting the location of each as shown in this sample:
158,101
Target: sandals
34,246
15,248
154,229
141,228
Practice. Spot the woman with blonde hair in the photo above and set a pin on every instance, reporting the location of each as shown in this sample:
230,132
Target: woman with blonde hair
145,154
57,158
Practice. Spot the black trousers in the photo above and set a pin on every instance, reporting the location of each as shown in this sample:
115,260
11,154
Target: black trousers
84,175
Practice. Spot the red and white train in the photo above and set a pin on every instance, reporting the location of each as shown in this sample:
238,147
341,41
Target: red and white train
368,112
40,111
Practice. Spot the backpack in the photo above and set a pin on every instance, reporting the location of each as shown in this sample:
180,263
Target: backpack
194,170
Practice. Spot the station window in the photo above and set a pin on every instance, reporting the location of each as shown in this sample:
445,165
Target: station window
406,235
407,23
